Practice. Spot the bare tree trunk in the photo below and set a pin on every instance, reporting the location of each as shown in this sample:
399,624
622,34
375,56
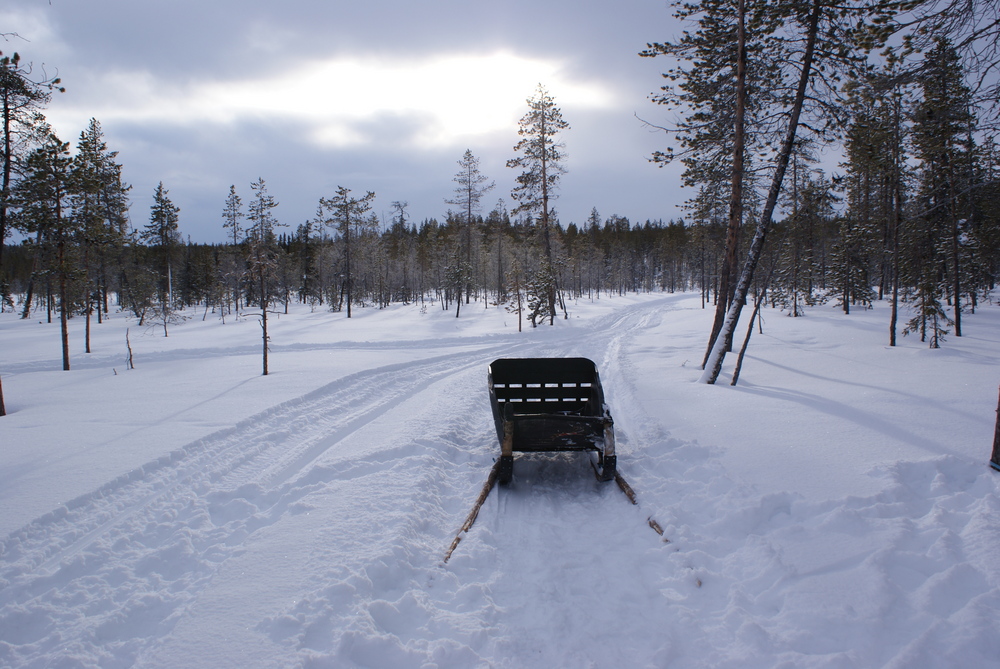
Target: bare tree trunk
746,340
89,310
263,319
35,260
3,410
347,263
713,365
128,345
897,215
955,248
63,309
726,286
761,296
995,461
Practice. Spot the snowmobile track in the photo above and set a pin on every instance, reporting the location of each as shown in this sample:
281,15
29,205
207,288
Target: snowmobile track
268,451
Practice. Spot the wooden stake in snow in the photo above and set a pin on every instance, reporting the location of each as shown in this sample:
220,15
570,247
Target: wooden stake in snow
128,345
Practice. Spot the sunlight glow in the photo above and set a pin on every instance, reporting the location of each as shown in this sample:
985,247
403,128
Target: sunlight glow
431,102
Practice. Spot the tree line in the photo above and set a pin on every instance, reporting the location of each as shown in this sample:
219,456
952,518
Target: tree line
911,217
907,88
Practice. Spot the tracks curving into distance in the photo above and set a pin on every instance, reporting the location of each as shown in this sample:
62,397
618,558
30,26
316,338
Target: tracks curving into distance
140,549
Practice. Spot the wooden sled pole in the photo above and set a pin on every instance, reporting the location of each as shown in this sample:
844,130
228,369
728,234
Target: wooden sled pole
483,494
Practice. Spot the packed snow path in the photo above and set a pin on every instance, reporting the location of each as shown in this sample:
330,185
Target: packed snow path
312,533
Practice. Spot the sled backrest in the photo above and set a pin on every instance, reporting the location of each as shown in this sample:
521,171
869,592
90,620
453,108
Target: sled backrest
545,385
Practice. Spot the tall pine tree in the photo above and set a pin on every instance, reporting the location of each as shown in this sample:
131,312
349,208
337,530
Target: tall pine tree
161,233
43,201
541,164
262,249
942,144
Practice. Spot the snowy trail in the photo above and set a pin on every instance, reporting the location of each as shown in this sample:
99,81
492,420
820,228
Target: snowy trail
312,534
174,520
144,550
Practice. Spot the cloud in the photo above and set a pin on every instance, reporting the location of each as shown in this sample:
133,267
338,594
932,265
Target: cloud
432,102
381,95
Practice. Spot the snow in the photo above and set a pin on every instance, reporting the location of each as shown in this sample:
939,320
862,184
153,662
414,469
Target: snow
834,509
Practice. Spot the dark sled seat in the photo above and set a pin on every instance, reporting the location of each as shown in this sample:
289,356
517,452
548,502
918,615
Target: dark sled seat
550,404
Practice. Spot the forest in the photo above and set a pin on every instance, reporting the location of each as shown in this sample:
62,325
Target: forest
911,214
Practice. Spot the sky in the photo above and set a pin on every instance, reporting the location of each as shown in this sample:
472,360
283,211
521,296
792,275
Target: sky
382,96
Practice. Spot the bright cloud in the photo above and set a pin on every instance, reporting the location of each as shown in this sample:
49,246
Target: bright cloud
437,101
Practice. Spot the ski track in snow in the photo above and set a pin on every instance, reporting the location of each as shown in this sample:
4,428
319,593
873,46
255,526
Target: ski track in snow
153,569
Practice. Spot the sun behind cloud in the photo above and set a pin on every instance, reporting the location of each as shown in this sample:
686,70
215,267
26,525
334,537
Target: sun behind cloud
435,101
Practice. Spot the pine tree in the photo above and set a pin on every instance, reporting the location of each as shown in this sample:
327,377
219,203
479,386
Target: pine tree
538,291
346,215
262,252
471,187
942,143
162,234
798,279
720,97
827,41
100,205
22,96
42,198
876,180
541,161
232,214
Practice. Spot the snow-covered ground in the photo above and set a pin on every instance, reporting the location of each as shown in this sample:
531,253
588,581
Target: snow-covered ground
835,509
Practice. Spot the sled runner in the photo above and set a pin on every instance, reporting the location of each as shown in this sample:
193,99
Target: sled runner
550,404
